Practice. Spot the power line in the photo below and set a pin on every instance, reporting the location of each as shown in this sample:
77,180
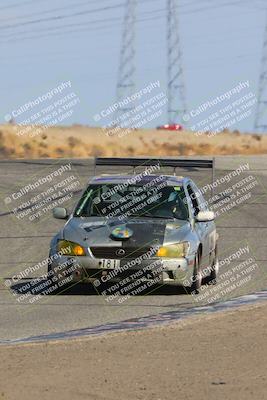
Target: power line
69,7
56,28
59,28
20,4
112,24
201,9
106,26
48,29
120,5
62,17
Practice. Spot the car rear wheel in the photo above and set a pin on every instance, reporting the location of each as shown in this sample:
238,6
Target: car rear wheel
197,276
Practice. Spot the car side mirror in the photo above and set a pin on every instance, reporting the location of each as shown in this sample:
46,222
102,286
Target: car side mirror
60,213
205,216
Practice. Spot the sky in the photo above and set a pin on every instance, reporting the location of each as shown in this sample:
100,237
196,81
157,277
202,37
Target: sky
45,42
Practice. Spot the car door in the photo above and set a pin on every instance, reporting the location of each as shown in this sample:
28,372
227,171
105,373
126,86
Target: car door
210,231
202,229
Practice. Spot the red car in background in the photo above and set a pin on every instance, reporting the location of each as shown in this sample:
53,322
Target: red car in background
170,127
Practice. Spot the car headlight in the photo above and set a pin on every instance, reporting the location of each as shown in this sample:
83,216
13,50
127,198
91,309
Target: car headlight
176,250
70,248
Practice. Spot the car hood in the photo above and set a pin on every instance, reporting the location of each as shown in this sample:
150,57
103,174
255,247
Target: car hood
144,231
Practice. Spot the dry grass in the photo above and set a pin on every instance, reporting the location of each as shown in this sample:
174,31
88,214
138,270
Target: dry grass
79,141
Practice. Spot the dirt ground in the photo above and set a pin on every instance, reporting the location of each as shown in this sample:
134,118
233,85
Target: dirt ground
220,356
81,141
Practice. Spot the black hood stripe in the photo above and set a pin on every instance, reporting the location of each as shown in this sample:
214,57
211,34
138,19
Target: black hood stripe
145,234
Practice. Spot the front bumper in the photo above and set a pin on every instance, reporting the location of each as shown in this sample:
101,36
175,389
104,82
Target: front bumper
88,269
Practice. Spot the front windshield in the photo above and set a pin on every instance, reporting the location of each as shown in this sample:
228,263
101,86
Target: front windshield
111,201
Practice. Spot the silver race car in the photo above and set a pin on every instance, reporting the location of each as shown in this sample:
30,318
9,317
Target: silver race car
148,227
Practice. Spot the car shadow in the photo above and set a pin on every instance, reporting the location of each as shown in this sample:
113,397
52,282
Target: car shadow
27,287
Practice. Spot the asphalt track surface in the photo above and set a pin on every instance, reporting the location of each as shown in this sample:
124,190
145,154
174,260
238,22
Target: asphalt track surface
25,243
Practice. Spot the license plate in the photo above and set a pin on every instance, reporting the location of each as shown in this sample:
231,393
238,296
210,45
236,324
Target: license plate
110,264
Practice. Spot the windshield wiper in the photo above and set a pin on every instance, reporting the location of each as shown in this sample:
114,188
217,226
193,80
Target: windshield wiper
149,215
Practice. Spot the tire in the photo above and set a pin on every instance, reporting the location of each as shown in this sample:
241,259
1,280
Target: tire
197,276
49,269
214,269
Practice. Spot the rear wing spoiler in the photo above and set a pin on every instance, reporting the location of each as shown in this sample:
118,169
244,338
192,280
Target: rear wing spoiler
163,162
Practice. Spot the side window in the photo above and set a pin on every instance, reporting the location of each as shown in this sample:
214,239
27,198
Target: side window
202,204
178,199
193,197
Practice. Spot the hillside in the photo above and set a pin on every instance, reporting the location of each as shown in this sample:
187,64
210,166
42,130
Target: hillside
82,141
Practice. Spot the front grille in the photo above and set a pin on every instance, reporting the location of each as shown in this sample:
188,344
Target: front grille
110,252
120,275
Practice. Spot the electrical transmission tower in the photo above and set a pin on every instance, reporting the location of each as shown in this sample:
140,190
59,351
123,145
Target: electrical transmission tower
261,116
176,87
126,78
